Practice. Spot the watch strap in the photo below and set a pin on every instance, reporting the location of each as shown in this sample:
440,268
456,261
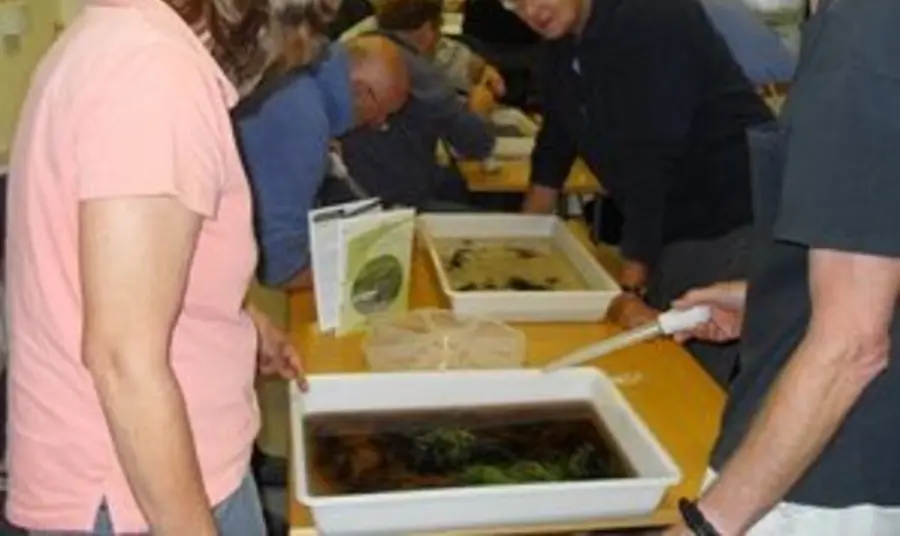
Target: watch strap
695,520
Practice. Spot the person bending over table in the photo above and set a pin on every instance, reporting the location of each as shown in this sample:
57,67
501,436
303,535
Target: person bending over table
130,250
758,49
285,131
648,94
465,70
398,162
809,439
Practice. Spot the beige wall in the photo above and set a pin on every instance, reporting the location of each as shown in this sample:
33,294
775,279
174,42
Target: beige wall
68,9
16,65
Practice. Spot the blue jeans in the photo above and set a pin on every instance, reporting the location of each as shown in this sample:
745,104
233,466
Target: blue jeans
238,515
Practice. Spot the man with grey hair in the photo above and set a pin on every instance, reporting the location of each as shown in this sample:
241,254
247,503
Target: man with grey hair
285,131
399,163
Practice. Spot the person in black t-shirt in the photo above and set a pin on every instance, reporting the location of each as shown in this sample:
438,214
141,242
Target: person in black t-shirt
648,93
811,420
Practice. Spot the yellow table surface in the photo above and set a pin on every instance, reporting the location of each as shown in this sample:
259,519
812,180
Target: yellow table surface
675,397
514,176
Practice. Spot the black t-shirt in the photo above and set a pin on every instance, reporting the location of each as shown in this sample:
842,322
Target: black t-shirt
828,177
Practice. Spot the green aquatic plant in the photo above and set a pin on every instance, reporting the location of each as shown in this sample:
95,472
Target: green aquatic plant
470,460
443,449
467,448
516,473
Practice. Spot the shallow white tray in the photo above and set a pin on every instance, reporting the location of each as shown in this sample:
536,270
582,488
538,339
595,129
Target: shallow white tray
522,306
452,24
417,512
514,146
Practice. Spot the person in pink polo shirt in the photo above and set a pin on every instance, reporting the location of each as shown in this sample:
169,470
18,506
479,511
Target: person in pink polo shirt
130,250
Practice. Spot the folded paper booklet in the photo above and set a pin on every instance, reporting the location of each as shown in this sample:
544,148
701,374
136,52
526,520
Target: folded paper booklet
361,257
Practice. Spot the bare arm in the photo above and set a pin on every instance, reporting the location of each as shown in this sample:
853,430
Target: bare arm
136,254
846,346
477,67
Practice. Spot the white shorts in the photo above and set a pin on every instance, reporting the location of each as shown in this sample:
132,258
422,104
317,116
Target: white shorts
789,519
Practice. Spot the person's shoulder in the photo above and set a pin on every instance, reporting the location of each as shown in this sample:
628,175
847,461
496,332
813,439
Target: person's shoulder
293,99
660,16
862,34
123,54
121,34
673,25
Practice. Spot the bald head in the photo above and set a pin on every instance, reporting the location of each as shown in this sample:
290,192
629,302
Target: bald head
379,77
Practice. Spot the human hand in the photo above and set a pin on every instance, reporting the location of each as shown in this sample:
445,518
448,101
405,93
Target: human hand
481,100
276,353
726,302
494,82
629,311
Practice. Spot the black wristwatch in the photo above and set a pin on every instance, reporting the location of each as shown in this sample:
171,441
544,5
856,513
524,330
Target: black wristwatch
695,520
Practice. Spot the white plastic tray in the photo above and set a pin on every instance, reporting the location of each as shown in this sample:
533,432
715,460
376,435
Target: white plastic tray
453,23
522,306
402,512
519,146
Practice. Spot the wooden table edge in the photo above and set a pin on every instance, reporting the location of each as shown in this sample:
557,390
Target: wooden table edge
472,174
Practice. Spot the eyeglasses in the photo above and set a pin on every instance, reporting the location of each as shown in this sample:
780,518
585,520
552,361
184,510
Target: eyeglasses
512,5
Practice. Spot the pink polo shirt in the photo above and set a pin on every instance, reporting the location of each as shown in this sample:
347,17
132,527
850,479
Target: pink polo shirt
127,103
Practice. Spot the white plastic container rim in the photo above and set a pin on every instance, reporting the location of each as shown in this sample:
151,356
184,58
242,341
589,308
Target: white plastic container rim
671,473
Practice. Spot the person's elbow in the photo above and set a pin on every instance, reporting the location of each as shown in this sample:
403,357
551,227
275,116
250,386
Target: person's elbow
473,139
869,356
281,262
120,358
854,302
857,356
280,274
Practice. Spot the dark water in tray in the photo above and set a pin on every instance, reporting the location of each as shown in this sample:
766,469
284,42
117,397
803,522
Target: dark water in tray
353,453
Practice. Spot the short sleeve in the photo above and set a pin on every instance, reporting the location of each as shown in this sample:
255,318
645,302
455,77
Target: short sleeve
842,174
153,130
